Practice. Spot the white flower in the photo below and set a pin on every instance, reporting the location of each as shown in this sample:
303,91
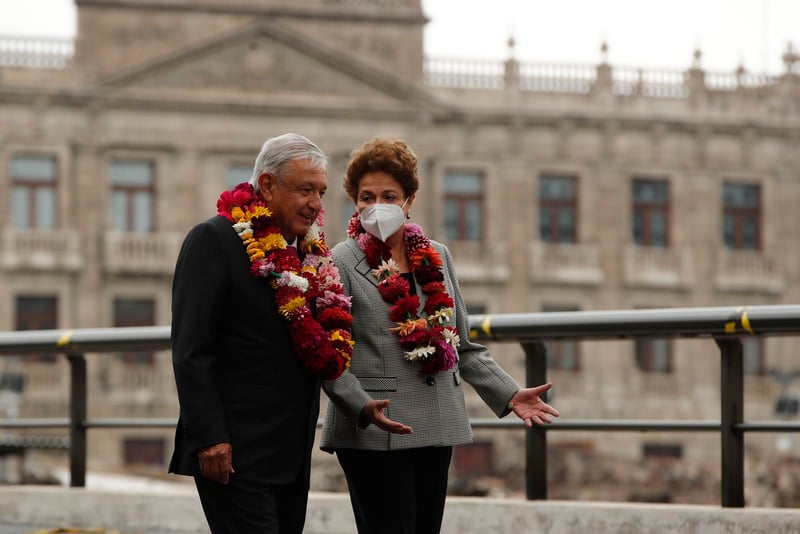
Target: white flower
420,353
389,267
313,233
441,316
289,279
243,228
451,336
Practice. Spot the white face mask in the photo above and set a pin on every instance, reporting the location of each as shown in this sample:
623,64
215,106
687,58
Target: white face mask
382,220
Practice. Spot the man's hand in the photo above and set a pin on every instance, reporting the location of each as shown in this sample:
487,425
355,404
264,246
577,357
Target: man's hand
373,412
216,462
529,406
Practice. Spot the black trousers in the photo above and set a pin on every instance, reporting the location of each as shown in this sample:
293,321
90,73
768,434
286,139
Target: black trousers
397,492
254,509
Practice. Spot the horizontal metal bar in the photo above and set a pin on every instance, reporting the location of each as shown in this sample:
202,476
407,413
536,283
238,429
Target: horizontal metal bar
61,422
131,423
636,425
629,324
605,324
85,340
768,426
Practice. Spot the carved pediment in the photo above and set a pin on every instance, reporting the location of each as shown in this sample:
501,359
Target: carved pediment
264,60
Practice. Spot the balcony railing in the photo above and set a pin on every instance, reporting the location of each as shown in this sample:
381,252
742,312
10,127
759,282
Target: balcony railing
37,249
725,325
566,263
141,253
35,52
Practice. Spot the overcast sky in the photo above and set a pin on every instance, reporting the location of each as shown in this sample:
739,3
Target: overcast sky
639,33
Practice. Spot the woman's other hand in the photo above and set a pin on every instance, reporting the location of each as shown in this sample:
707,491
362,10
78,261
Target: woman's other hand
529,406
373,412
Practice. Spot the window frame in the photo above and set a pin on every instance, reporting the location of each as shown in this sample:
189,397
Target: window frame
556,206
32,186
462,202
23,322
129,192
740,214
647,209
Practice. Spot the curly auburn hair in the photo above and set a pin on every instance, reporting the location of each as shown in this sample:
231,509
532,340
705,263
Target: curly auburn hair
393,157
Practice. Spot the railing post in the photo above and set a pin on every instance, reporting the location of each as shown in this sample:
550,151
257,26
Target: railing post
77,420
536,437
732,404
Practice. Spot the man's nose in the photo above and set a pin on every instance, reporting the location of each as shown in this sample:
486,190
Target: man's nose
315,200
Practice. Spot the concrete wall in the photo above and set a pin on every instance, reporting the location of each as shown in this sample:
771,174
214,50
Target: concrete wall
24,509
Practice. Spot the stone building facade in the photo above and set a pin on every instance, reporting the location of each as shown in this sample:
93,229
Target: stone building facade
557,188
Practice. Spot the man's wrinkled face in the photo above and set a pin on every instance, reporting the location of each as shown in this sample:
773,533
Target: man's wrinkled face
295,199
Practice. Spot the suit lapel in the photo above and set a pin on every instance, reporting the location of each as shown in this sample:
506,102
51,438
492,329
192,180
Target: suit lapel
363,268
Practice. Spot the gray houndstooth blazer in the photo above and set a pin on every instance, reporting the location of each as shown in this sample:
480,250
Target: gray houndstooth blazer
434,408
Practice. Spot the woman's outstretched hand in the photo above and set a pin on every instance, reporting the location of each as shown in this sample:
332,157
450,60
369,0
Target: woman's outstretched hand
373,412
529,406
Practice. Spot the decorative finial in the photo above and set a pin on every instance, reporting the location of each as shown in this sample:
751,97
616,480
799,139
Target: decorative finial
511,44
604,51
791,57
696,57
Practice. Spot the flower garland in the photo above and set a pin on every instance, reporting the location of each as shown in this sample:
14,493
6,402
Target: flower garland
425,340
309,294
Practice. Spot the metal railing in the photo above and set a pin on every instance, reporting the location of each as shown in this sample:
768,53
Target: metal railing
725,325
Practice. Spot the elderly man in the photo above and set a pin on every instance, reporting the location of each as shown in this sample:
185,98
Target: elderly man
259,318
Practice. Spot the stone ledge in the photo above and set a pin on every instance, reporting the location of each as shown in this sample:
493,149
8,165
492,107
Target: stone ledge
178,512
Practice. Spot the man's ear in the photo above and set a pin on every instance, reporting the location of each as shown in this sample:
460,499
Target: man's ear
266,185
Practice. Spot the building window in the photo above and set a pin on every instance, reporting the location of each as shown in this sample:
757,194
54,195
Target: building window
741,218
236,174
147,452
132,205
653,355
135,312
562,354
651,212
33,192
557,209
463,206
37,313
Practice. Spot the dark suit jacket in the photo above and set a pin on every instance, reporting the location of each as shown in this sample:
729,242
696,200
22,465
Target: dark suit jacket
237,376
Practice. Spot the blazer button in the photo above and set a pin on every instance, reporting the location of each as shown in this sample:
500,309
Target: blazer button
430,380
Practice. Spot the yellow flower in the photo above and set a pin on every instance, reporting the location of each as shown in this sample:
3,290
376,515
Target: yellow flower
273,241
258,211
238,214
254,250
309,269
337,336
292,305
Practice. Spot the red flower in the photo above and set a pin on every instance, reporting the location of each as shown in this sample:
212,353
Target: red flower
393,288
404,308
375,252
331,318
436,301
433,287
241,196
426,256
